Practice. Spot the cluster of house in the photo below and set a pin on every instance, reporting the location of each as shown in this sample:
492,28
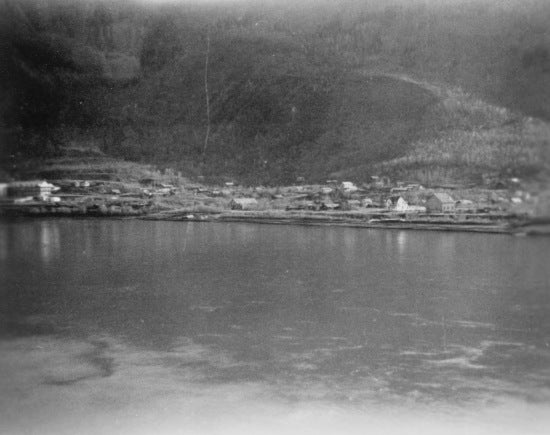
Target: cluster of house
379,196
347,196
437,202
21,191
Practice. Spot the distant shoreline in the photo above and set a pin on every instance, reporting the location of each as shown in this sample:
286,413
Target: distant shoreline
285,218
332,219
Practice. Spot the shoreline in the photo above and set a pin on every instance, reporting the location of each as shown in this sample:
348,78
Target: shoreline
88,204
388,221
332,221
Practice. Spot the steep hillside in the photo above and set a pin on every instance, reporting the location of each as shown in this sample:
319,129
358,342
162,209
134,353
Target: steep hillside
474,141
266,94
372,118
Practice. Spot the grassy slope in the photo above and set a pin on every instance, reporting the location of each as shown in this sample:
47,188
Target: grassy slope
473,138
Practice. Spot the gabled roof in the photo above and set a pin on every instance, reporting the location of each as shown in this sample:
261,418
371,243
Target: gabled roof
395,198
444,197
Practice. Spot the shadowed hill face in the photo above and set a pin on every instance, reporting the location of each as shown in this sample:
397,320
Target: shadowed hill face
273,111
372,119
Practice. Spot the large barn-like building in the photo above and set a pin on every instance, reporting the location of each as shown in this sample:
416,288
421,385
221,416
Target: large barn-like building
440,202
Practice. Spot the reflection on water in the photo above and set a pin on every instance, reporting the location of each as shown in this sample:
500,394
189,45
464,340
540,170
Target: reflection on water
314,329
401,240
50,243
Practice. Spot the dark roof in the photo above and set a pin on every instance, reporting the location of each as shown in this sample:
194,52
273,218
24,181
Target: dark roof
444,197
395,198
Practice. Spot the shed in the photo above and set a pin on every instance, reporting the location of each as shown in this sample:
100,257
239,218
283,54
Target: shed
243,204
396,203
440,202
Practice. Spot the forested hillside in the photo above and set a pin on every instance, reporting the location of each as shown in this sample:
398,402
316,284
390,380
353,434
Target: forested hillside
268,91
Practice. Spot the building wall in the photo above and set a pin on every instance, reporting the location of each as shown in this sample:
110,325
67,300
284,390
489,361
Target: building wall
448,207
434,205
401,205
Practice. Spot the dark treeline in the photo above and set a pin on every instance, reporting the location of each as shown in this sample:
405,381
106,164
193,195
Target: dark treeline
288,86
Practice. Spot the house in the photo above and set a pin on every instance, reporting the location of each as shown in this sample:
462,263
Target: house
243,204
329,205
440,202
304,205
416,209
396,203
380,181
414,186
367,202
348,186
354,204
465,206
36,189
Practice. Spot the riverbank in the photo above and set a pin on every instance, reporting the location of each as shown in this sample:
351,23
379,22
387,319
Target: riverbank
196,209
100,186
355,220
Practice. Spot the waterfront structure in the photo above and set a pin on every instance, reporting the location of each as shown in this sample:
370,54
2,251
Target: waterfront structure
440,202
35,189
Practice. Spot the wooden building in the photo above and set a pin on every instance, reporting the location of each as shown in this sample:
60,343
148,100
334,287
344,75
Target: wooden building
36,189
440,202
396,203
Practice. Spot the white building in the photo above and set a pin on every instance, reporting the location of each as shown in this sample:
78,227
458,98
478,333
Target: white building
397,203
35,189
348,186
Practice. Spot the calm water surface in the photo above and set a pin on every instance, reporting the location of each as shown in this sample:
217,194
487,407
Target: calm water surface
160,327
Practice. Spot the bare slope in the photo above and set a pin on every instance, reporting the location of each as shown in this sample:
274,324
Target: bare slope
469,140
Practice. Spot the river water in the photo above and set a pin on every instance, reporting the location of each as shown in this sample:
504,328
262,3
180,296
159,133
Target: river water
127,326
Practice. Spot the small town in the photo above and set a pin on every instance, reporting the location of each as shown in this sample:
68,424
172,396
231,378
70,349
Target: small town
380,203
275,217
